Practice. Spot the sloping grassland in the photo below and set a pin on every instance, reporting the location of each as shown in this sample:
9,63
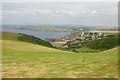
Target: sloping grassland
26,60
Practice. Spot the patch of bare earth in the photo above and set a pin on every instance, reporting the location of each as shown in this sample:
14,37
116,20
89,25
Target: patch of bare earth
16,71
73,74
107,31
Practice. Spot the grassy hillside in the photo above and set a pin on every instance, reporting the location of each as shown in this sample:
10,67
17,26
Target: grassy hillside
25,38
10,36
21,59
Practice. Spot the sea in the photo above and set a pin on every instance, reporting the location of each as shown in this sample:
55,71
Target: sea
39,34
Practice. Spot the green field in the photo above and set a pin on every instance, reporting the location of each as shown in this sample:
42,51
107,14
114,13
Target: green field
26,60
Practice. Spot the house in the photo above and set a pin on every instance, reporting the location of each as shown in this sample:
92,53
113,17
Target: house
85,36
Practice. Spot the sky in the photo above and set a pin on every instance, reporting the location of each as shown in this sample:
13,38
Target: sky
59,0
37,13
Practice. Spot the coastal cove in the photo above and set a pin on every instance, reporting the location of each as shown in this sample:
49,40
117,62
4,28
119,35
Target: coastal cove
39,34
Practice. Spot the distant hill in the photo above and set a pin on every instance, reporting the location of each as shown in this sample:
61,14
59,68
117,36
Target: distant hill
59,28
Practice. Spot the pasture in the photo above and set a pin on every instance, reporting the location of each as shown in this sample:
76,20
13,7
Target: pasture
26,60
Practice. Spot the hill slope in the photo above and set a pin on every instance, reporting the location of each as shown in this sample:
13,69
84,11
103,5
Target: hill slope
21,59
25,38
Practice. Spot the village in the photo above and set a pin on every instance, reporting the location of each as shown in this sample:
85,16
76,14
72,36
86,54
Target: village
75,39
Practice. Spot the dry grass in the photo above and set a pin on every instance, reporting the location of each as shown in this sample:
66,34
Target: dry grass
107,31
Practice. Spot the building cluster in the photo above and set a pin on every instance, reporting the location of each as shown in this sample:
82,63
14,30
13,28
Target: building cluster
85,36
92,35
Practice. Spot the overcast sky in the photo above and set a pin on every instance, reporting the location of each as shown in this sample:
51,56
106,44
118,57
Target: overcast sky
59,0
84,13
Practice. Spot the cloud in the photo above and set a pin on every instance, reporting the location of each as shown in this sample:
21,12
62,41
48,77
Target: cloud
93,12
60,0
42,12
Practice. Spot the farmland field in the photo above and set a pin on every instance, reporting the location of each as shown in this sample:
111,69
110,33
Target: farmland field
23,60
107,31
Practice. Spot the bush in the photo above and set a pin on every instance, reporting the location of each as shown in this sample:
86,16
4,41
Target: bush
103,44
34,40
75,51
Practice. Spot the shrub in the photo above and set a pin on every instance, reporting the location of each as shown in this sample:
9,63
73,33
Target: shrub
34,40
104,43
